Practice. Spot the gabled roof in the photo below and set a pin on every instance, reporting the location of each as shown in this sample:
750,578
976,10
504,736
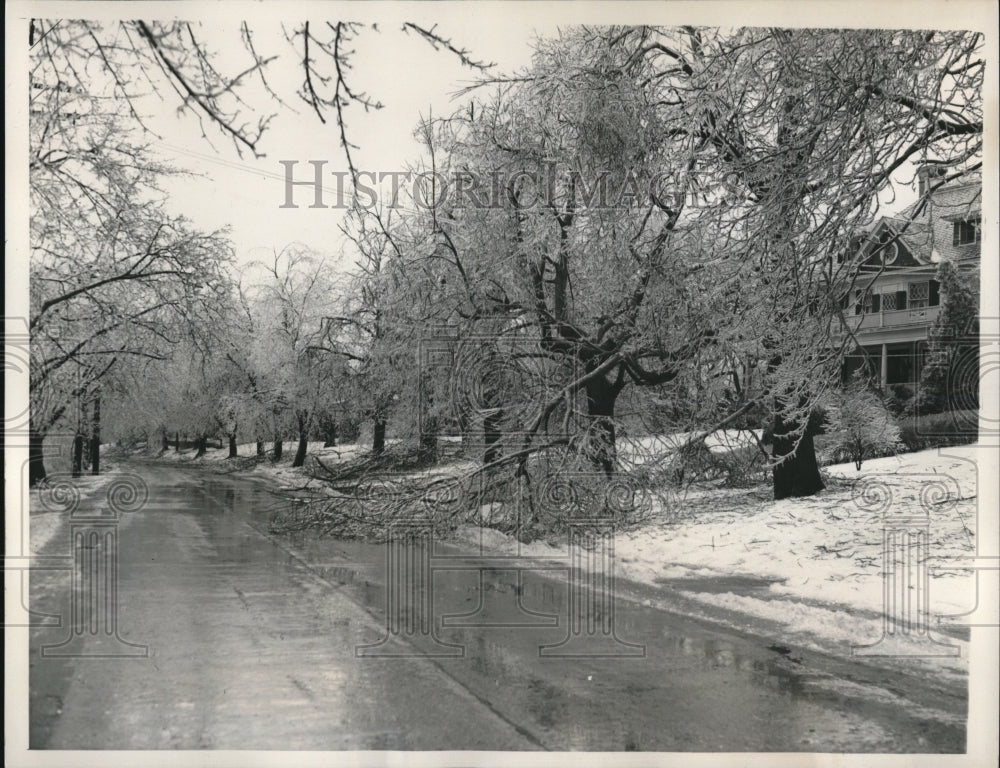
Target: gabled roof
884,233
926,228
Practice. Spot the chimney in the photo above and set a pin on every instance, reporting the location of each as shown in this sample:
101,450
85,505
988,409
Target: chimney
927,174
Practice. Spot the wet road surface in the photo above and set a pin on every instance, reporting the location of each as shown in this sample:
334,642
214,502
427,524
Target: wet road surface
243,640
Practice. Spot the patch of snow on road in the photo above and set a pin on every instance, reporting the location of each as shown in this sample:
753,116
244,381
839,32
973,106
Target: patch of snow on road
825,627
43,528
44,525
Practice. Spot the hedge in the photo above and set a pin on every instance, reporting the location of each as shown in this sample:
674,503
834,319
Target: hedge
936,430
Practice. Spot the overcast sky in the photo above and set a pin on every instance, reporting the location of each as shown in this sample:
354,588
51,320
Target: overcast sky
402,71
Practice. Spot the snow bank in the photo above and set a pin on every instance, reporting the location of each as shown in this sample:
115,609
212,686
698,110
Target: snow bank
638,450
813,565
282,472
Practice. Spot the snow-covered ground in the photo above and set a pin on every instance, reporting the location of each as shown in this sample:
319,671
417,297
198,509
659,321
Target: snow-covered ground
812,566
281,472
721,441
827,547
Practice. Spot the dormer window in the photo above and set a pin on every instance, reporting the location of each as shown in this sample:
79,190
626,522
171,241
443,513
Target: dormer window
885,249
966,231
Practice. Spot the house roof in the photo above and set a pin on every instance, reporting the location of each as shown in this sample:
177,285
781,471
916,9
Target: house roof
926,227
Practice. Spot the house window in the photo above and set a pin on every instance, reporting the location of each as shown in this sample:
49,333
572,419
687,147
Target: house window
966,231
919,295
888,253
889,302
900,363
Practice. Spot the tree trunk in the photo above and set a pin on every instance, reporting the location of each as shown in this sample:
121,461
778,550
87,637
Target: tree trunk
177,442
260,447
77,455
601,398
95,439
797,475
277,449
36,459
491,436
300,452
84,427
330,434
202,446
429,440
166,442
232,445
466,436
378,436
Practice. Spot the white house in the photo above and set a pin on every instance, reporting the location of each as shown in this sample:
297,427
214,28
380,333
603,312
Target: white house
895,298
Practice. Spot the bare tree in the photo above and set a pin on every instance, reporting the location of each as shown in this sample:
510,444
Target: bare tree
112,274
178,61
288,298
93,180
677,200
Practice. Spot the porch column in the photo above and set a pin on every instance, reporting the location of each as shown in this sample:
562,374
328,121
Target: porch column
885,366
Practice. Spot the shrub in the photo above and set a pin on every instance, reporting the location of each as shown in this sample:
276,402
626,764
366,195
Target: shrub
954,346
899,398
743,467
692,463
938,430
860,425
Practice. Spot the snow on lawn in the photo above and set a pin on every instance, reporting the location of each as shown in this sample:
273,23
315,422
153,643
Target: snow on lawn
721,441
283,474
813,565
288,477
827,547
636,451
280,471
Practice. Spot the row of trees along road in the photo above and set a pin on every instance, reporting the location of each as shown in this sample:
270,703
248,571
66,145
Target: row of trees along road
713,293
719,289
114,277
116,282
